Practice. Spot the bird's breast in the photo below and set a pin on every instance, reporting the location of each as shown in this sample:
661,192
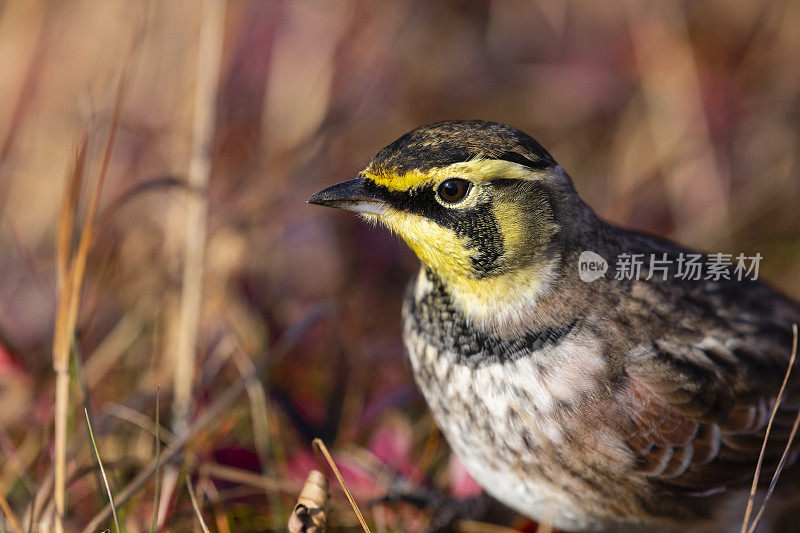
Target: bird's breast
507,406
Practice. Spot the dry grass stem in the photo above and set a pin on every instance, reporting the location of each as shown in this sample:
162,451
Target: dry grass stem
209,55
754,487
251,479
220,405
157,477
11,518
257,395
776,475
102,470
16,467
70,272
195,506
107,354
773,482
64,326
320,447
123,412
259,416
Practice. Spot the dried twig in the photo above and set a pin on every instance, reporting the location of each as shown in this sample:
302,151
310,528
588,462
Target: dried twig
320,447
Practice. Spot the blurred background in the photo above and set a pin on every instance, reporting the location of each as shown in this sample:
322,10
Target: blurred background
206,267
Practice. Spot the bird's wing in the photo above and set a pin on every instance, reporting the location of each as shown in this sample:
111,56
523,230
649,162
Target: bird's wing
701,397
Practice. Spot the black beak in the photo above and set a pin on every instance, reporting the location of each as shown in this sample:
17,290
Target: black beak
350,195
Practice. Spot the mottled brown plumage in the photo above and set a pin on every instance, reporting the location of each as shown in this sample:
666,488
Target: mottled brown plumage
609,404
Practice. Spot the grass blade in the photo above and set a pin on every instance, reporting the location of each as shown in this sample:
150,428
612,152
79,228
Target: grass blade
102,470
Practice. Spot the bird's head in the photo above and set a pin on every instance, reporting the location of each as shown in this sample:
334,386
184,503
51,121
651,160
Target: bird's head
478,202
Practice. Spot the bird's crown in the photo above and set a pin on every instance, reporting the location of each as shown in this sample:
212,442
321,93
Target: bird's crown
445,143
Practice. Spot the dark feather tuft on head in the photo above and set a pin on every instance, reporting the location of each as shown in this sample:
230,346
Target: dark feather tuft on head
454,141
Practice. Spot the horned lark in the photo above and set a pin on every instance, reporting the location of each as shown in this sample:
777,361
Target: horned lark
613,402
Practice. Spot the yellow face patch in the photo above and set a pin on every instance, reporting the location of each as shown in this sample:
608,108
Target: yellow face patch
437,247
452,257
476,170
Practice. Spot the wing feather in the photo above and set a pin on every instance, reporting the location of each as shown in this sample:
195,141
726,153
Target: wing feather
699,425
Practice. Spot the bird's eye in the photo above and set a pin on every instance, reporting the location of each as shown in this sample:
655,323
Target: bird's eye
453,190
